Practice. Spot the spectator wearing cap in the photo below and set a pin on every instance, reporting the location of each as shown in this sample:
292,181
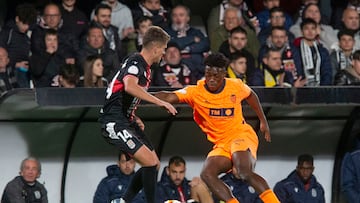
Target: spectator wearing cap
172,71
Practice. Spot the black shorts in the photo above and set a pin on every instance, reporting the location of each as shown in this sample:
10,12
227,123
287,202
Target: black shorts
128,138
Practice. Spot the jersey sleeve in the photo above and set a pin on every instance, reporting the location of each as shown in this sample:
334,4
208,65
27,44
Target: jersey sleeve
132,68
186,94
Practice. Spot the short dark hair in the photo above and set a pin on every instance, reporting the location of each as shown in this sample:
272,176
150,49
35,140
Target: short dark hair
176,160
307,21
275,10
306,8
305,158
345,32
155,34
237,55
217,60
140,20
238,29
101,6
26,13
187,9
356,55
270,49
70,73
127,156
51,32
281,28
93,26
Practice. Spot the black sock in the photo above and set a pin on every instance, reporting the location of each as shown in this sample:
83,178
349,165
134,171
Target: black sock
135,186
149,183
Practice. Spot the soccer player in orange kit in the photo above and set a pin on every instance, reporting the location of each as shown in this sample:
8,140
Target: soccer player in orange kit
216,104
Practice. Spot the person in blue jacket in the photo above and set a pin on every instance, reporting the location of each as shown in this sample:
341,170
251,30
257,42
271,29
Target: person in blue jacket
240,189
350,175
113,186
301,185
173,185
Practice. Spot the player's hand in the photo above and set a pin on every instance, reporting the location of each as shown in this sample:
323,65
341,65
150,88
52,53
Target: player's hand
264,128
169,107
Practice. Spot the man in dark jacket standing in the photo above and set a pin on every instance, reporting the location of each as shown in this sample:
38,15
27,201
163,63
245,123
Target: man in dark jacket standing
113,186
301,185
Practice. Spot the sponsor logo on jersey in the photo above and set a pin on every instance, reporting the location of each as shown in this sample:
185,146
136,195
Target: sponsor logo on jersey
223,112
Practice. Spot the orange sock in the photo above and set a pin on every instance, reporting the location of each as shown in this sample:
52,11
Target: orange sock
268,196
233,200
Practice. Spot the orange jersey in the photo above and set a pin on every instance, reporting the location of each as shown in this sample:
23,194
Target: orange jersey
218,115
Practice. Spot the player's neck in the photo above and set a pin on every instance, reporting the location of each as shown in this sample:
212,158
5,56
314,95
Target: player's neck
147,56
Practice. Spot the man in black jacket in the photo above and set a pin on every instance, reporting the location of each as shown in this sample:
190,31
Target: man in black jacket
25,187
15,39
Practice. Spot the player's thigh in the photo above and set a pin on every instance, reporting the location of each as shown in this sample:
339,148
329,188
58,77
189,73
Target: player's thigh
214,165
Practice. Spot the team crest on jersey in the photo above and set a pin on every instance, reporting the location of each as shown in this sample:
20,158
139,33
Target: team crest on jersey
233,98
133,70
130,144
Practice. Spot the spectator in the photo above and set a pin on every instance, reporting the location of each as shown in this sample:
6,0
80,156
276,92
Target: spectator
324,33
173,184
233,19
45,66
68,45
93,72
95,45
142,25
74,20
152,9
237,66
172,71
7,78
121,17
102,18
242,191
351,22
299,16
354,4
216,16
341,56
68,76
350,75
290,57
273,73
316,66
193,43
264,15
113,186
350,172
301,185
277,19
15,39
25,187
237,42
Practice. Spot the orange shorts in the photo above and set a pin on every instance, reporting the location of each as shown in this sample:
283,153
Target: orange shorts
245,140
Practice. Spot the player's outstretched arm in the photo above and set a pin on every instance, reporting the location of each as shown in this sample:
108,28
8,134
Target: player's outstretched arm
254,102
132,87
167,96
